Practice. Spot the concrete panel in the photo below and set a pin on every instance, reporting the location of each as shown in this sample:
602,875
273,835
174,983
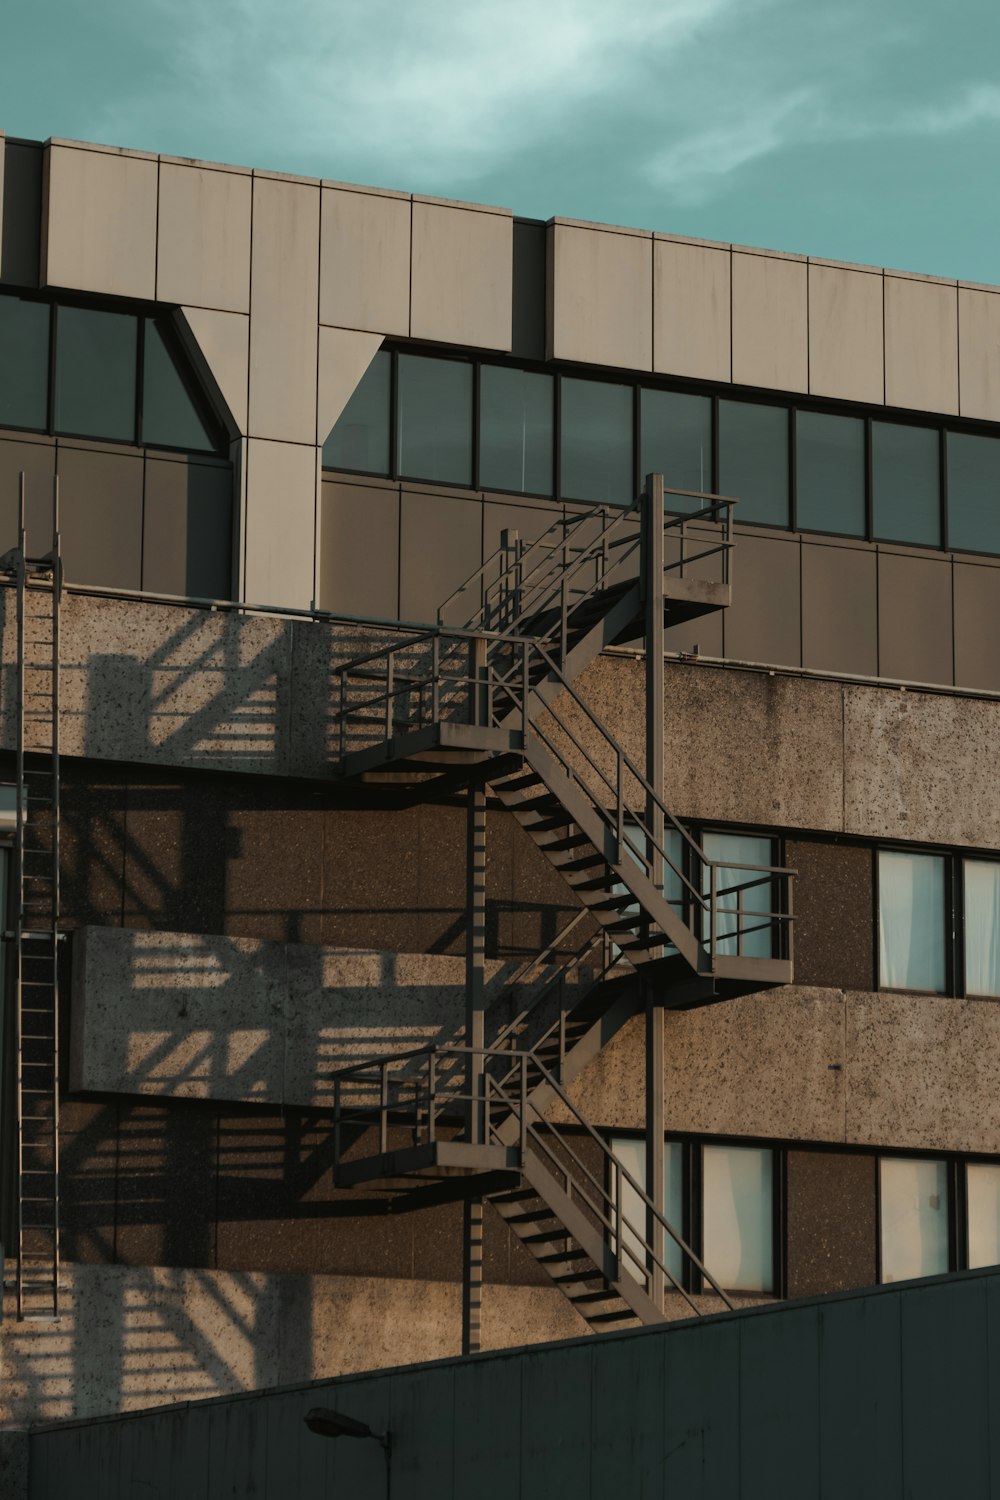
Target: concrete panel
461,276
920,766
284,288
100,516
344,356
440,546
977,626
221,349
845,334
831,1221
203,238
770,323
692,324
921,345
978,352
37,461
834,901
364,275
839,609
187,534
915,618
20,212
280,523
764,624
601,295
359,521
99,222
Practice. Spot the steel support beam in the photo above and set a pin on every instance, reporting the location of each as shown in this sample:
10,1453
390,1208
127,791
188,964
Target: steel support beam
475,1036
652,576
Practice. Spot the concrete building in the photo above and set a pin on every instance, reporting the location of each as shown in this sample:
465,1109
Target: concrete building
751,898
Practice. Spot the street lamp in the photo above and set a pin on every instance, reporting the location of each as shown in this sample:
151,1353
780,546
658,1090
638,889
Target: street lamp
327,1423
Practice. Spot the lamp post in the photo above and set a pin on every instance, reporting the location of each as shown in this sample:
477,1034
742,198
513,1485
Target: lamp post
333,1424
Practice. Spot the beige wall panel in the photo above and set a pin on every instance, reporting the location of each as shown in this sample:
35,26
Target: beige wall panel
921,345
915,618
99,213
770,322
979,353
845,334
691,311
223,342
280,523
839,609
284,289
203,238
602,297
344,356
364,275
764,622
461,276
977,627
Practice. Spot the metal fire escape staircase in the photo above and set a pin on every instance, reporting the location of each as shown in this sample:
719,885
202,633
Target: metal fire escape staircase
492,701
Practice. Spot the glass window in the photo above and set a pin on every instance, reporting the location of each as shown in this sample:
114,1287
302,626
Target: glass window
913,1217
737,1187
983,1194
973,492
637,849
359,439
743,922
95,373
24,363
830,473
632,1155
982,927
677,443
169,416
753,460
434,434
911,921
595,441
905,484
515,431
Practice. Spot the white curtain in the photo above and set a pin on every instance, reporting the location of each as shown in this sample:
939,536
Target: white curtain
911,921
982,928
914,1208
737,1210
738,850
983,1182
632,1155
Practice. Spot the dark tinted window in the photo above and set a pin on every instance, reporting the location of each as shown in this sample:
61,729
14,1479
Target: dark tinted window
753,460
95,373
435,419
830,473
24,363
515,430
905,488
973,492
596,441
169,415
676,442
360,436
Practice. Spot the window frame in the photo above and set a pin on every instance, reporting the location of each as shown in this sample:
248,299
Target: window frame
956,1212
956,987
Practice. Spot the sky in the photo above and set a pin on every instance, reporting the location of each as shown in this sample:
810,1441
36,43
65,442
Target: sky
861,130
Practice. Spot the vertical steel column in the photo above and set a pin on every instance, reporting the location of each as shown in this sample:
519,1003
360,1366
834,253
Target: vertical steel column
475,1036
652,556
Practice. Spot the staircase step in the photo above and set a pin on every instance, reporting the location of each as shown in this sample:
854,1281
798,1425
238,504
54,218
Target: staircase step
587,1298
614,1317
534,1216
574,841
562,1257
547,1237
592,861
576,1277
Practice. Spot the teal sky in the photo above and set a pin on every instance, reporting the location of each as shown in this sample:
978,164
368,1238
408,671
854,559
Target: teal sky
858,131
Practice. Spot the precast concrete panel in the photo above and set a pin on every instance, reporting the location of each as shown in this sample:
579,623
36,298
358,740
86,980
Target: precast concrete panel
344,356
601,295
440,546
284,292
839,609
187,529
280,522
763,624
203,238
978,353
845,334
770,322
99,221
921,344
359,522
221,351
461,275
692,310
977,626
364,274
37,462
915,617
100,516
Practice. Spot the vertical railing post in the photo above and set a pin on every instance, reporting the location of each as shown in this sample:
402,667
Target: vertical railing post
390,683
653,562
383,1128
436,678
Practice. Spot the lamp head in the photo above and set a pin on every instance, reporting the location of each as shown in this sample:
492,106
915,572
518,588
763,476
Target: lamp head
327,1423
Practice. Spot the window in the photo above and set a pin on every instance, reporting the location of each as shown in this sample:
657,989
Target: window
359,439
973,492
596,442
830,473
913,1217
95,386
906,494
981,915
753,460
434,421
24,363
738,1217
744,915
676,441
631,1152
515,430
170,418
982,1192
911,921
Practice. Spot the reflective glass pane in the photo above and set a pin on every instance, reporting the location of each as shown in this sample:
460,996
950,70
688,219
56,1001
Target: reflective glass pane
95,373
753,460
24,363
595,441
676,441
905,484
737,1217
911,921
637,849
983,1193
169,416
434,435
982,927
515,430
359,439
830,473
743,923
973,492
914,1217
632,1155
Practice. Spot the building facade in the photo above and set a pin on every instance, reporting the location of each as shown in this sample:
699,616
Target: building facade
292,419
